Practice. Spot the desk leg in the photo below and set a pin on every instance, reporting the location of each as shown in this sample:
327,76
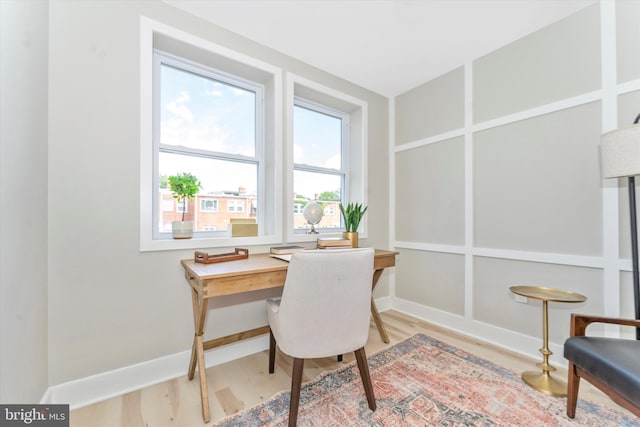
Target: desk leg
374,309
197,352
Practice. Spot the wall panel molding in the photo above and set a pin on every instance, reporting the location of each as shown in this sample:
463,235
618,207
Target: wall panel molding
609,261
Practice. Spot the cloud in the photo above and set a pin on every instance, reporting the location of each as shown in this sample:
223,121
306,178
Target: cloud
333,162
181,129
178,108
203,134
213,92
199,119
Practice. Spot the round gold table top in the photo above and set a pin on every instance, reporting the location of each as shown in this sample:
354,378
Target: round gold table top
547,294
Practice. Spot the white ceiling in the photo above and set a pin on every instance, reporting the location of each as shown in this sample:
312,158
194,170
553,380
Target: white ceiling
387,46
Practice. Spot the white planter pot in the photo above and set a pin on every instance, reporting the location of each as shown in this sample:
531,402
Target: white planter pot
182,229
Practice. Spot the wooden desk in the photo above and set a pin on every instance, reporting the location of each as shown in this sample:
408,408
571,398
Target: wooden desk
257,272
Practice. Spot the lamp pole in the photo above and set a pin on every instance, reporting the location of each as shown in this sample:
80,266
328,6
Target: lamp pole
634,243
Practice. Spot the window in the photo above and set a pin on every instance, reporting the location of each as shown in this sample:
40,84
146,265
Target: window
320,144
226,151
167,204
326,154
208,205
218,113
209,124
235,206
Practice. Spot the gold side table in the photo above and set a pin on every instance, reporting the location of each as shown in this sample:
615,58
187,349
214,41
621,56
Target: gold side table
543,381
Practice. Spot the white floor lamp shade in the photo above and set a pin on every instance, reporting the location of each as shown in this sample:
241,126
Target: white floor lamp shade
620,155
620,152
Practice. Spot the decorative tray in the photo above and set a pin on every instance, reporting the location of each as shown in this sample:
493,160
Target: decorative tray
206,258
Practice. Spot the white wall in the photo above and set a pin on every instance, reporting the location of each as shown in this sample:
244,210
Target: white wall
111,306
497,181
23,200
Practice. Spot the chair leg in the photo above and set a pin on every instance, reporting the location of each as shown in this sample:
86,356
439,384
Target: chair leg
272,352
363,366
296,384
573,383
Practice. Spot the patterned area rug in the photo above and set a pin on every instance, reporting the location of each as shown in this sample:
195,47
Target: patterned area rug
425,382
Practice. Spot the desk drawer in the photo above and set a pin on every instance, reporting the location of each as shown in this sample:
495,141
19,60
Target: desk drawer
243,283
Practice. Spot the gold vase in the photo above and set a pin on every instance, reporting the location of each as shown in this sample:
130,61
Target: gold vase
353,236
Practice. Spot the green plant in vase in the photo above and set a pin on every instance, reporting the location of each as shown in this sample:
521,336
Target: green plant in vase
184,186
352,215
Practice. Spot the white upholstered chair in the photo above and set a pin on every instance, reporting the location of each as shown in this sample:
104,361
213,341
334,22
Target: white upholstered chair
324,311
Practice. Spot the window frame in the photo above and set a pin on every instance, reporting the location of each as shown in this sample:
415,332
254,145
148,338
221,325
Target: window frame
343,172
156,35
161,58
355,188
235,203
215,202
164,205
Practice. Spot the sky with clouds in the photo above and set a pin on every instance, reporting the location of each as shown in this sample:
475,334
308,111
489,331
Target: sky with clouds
204,114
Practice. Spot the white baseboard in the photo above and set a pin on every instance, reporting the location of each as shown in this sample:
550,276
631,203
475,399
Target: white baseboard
509,340
99,387
95,388
384,303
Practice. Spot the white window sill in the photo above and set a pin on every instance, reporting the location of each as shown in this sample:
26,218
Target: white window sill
202,243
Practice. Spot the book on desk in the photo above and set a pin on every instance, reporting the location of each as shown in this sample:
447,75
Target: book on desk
333,243
286,249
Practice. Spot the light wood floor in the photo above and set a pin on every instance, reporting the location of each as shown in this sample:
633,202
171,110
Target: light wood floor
245,382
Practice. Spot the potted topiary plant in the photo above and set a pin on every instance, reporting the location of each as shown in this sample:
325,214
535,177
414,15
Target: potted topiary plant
184,186
352,214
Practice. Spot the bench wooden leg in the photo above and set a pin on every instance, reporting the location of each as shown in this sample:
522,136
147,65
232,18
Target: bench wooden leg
573,384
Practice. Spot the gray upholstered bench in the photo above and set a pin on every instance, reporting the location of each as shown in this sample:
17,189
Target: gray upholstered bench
611,364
